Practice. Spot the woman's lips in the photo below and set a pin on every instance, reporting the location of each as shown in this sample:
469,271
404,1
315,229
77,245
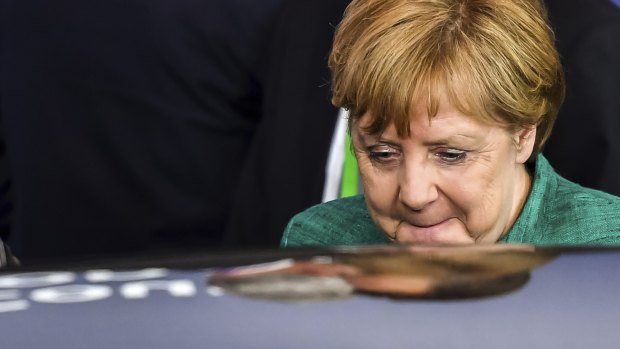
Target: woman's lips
448,231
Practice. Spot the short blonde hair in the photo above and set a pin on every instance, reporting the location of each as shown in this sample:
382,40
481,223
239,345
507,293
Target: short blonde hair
495,60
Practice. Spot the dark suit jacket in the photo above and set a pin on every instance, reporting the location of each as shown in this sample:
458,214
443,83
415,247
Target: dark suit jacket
126,123
285,171
585,144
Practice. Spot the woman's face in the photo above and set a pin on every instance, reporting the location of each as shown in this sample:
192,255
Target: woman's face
453,180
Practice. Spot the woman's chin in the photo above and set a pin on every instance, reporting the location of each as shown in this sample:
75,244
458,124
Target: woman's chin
450,231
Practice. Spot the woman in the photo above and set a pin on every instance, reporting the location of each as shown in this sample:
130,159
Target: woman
451,102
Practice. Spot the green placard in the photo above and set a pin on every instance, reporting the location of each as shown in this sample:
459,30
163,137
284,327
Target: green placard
350,172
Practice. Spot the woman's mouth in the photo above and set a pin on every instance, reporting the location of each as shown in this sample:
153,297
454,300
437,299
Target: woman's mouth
447,231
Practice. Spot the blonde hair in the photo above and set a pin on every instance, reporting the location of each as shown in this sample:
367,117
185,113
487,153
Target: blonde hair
494,59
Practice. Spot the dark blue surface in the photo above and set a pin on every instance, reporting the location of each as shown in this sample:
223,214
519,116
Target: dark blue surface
572,302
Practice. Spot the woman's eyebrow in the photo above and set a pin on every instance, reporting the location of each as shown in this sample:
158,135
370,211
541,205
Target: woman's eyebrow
365,138
457,138
361,137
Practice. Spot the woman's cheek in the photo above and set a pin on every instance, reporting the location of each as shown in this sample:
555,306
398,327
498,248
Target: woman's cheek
381,197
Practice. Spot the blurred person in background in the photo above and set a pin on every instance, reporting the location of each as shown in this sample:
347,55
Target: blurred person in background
585,143
285,170
125,124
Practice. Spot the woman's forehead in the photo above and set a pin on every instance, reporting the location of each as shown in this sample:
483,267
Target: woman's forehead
448,126
439,110
427,100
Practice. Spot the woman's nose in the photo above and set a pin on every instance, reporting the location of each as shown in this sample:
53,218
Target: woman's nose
418,186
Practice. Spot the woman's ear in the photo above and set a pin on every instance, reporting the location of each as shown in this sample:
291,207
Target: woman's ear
524,140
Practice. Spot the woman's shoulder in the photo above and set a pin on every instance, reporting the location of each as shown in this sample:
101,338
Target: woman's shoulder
560,212
577,215
340,222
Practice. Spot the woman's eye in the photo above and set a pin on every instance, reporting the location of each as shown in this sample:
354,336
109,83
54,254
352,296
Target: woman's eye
383,154
452,156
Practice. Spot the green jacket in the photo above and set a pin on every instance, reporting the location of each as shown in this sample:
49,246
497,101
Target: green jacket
557,213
